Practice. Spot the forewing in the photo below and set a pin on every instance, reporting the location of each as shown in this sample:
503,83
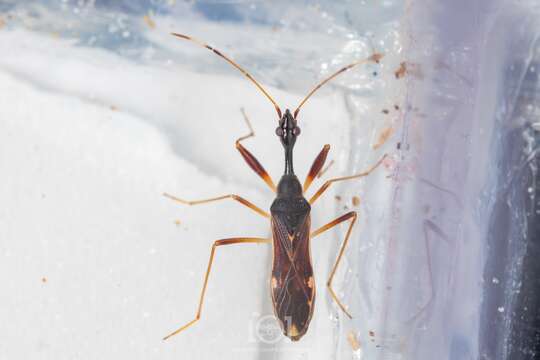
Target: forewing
293,288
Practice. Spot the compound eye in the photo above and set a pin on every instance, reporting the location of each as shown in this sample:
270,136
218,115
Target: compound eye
296,131
279,131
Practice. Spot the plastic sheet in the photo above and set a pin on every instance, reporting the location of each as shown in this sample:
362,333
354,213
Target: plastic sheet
455,274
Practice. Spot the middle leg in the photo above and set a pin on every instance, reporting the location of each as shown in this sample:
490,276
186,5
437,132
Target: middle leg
241,200
327,184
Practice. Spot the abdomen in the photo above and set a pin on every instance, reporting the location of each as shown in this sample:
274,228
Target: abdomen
292,282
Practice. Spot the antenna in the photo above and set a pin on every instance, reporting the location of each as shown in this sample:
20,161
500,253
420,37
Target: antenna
217,52
376,57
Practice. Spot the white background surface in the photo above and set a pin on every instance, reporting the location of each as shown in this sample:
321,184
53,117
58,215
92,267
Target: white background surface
93,263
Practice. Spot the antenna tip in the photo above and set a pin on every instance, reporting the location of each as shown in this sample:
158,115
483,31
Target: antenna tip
181,36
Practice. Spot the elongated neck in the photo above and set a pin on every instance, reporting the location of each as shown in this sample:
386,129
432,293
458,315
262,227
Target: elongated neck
289,170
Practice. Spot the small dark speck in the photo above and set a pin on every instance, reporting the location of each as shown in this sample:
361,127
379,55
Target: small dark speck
400,146
375,73
385,111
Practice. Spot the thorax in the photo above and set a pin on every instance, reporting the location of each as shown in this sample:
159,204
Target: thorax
290,210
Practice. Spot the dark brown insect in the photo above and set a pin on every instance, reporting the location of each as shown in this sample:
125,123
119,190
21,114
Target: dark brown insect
292,283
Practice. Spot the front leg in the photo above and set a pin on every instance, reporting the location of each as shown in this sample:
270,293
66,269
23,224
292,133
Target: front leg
316,167
252,162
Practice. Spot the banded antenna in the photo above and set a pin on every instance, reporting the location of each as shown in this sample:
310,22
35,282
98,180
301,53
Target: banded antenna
246,74
376,57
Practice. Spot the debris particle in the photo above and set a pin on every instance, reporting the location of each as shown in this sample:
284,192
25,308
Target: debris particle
385,111
355,200
44,280
500,309
400,146
148,20
371,333
338,198
385,134
2,23
355,344
177,222
113,108
376,57
396,107
401,71
495,280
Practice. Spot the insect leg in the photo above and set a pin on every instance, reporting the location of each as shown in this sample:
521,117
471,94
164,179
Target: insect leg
348,216
323,171
252,162
316,167
217,243
327,184
429,226
241,200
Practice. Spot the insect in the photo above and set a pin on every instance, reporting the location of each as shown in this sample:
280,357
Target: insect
292,285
